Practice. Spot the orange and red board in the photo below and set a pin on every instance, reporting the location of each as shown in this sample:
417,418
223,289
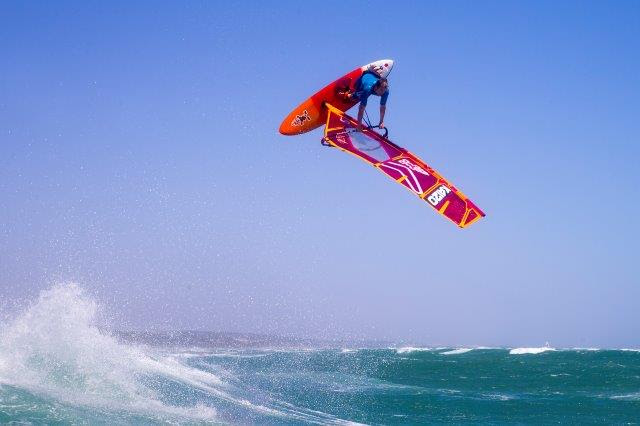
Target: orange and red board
312,114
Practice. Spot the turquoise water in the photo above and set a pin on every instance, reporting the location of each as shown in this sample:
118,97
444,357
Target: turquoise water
57,367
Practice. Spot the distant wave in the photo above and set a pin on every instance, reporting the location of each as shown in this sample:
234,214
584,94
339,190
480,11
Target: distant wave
457,351
498,396
522,351
409,349
628,397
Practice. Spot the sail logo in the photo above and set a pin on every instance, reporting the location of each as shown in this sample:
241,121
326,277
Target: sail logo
341,139
413,167
438,195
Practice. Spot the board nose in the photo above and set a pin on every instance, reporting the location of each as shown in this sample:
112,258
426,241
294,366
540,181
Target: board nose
383,66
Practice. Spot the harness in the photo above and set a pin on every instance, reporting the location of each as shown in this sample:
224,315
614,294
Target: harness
358,86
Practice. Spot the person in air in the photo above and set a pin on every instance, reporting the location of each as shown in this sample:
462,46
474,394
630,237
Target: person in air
370,83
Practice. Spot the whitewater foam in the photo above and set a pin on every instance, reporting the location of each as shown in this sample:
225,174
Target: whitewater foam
533,351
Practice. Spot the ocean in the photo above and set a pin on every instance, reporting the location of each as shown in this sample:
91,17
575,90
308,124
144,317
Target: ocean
58,367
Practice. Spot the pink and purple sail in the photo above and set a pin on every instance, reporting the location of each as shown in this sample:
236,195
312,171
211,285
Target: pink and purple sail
401,166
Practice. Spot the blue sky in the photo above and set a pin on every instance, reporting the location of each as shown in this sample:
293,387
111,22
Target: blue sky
139,157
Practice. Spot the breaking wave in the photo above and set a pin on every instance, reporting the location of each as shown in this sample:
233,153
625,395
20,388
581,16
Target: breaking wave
54,350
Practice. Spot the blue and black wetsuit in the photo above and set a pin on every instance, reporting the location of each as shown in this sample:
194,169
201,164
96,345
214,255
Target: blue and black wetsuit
364,88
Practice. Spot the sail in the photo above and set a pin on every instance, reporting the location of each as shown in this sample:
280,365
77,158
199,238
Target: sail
400,165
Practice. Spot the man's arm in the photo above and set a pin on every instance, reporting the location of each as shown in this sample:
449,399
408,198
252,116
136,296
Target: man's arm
360,115
383,109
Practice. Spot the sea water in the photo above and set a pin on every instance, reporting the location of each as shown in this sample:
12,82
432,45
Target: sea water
58,367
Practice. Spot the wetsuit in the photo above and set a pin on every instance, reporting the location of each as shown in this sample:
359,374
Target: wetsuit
364,88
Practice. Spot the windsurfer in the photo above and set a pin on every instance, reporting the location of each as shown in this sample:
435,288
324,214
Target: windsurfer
370,83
